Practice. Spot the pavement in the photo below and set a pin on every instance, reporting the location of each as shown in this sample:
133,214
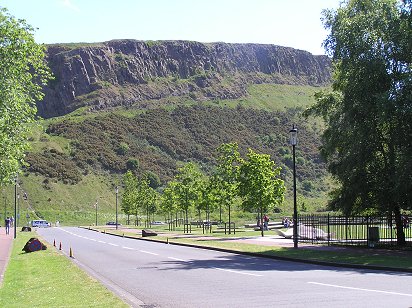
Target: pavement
6,243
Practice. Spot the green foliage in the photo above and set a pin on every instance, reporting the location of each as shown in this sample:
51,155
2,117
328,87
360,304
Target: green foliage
367,142
54,165
123,148
129,195
187,187
22,74
153,178
132,164
260,184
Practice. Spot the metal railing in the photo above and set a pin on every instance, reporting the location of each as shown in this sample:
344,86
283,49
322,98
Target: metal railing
355,230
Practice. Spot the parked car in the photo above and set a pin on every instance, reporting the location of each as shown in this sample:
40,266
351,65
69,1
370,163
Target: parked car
158,223
40,223
112,223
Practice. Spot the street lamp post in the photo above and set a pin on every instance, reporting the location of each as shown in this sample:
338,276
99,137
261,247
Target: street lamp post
15,207
293,141
96,204
117,191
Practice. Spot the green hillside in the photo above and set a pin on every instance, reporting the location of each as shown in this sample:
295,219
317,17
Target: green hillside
80,158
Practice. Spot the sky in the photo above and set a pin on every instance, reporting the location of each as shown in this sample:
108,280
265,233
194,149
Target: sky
291,23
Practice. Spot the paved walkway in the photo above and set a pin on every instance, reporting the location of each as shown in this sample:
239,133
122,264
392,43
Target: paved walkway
6,242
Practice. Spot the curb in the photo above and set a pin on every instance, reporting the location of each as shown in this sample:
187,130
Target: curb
253,254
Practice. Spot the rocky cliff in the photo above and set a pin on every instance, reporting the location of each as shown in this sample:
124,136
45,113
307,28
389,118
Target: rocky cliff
129,72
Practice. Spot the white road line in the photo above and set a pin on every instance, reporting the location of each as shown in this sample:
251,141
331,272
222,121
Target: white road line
113,244
103,242
128,248
92,239
177,259
148,252
359,289
237,272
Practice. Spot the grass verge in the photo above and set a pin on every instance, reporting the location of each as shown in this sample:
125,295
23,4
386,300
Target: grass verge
48,279
338,255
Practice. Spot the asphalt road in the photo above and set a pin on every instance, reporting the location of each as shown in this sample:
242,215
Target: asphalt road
150,274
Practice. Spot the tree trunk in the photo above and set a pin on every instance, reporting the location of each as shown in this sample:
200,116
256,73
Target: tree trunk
400,234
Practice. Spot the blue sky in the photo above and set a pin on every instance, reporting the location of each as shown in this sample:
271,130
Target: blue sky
292,23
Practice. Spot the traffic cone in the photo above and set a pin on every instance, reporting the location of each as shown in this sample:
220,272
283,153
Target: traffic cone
54,243
60,246
71,253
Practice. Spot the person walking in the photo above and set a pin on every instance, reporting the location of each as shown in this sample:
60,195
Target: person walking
7,225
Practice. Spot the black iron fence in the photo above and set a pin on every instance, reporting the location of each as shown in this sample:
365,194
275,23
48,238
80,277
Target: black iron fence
355,230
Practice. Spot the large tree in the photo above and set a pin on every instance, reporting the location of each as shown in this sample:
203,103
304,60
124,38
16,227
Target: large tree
368,138
187,188
23,72
225,178
260,184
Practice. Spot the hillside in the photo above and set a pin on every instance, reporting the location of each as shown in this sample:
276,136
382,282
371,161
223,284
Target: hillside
150,106
134,73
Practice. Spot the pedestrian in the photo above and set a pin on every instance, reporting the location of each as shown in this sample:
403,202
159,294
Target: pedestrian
11,221
265,222
7,225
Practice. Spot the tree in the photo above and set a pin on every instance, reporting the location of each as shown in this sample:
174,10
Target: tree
259,184
187,187
367,143
226,175
129,196
23,72
169,202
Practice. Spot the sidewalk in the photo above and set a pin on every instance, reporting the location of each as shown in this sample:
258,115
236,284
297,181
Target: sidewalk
6,243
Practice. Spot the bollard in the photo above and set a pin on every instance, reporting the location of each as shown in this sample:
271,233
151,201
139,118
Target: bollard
71,253
54,243
167,240
60,246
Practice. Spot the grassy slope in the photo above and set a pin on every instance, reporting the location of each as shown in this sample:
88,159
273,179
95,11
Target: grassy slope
48,279
74,203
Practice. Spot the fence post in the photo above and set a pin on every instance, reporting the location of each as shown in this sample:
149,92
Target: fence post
328,230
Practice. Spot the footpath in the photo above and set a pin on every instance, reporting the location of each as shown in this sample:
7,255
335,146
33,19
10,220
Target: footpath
6,243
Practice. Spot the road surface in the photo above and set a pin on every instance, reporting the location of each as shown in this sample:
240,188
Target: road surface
149,274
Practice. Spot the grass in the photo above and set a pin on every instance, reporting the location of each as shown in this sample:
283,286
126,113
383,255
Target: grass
48,279
353,256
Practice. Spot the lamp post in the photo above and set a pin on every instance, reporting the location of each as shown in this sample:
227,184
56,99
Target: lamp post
15,207
95,205
117,191
293,141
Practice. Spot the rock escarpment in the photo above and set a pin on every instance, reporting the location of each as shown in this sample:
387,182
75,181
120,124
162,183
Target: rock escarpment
129,72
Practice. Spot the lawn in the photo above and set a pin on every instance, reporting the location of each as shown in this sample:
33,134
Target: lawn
49,279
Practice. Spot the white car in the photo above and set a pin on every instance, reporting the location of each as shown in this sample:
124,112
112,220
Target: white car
40,223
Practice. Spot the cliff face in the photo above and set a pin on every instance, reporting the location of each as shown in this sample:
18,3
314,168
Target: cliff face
127,72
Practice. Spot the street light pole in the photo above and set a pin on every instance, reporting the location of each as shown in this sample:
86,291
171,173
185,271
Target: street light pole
117,191
15,207
293,141
96,210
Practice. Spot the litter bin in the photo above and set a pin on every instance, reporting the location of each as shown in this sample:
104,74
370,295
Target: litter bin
373,236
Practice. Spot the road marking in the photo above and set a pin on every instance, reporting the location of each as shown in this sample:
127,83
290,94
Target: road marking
177,259
92,239
148,252
103,242
125,247
113,244
237,272
359,289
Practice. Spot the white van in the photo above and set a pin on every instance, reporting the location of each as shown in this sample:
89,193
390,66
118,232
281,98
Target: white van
40,223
